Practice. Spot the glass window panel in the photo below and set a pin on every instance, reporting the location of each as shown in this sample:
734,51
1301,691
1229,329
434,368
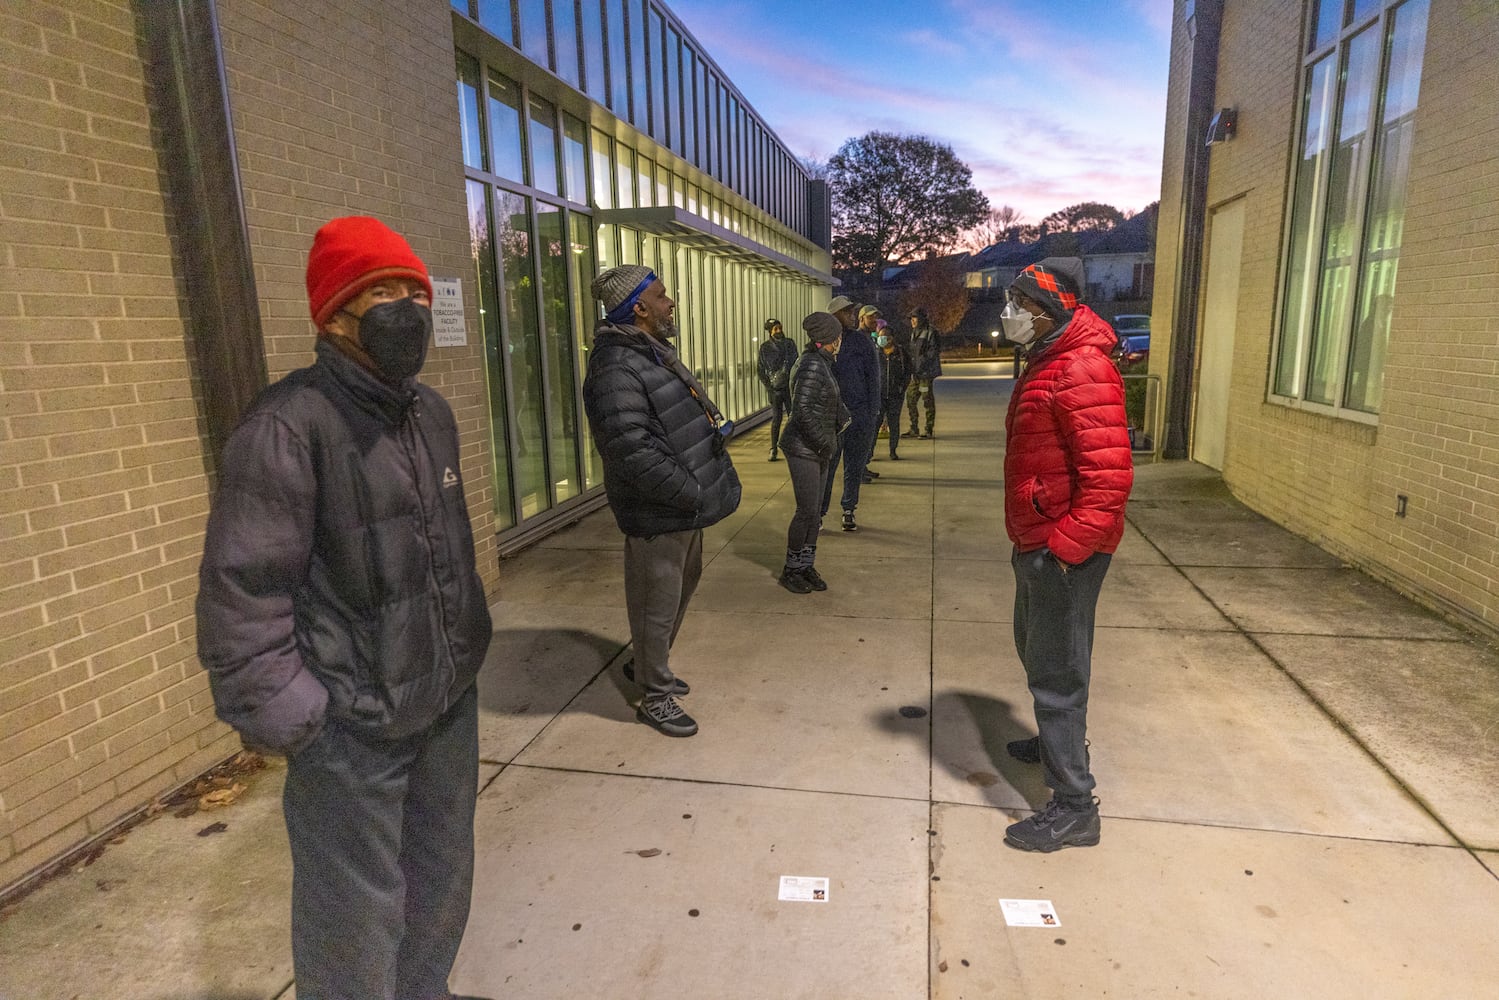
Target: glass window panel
619,75
586,313
461,6
639,78
689,104
523,347
1362,9
663,185
469,127
482,246
603,171
561,378
533,31
655,27
624,160
1306,211
1384,227
507,151
575,158
1329,20
495,18
645,172
565,39
544,146
678,191
673,57
1347,187
591,16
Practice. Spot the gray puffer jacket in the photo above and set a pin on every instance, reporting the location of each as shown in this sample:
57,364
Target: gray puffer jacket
338,576
665,465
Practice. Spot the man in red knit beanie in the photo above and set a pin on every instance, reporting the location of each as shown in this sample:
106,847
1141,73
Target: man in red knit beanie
342,623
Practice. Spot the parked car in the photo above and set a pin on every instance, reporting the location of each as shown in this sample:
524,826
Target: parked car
1133,331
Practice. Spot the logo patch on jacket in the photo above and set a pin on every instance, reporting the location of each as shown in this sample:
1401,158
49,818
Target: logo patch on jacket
449,478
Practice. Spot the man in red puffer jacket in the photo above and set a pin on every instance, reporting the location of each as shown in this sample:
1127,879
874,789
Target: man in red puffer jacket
1068,474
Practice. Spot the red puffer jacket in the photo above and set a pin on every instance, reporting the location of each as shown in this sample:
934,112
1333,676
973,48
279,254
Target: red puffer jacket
1068,469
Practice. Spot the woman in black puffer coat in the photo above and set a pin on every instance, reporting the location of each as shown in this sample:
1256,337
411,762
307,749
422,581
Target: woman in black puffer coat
809,442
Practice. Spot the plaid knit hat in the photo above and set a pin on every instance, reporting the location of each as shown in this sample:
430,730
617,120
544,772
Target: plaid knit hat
1054,284
822,328
349,255
619,288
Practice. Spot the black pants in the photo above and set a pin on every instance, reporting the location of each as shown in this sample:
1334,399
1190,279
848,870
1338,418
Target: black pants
891,418
780,405
855,446
1054,636
382,846
808,476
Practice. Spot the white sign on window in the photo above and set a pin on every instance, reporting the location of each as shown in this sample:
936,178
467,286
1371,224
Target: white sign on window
448,329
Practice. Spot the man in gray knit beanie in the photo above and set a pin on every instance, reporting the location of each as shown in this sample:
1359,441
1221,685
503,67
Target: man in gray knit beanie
666,472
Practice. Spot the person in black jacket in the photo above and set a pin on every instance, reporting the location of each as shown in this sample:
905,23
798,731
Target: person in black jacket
777,355
818,416
926,366
666,471
895,374
342,622
859,382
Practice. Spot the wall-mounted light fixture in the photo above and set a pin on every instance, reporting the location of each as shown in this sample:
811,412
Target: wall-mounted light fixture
1222,126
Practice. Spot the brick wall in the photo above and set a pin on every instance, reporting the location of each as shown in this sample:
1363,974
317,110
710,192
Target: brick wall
103,491
340,108
349,107
1437,440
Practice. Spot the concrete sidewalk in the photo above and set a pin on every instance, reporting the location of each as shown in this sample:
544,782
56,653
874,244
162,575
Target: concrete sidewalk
1297,768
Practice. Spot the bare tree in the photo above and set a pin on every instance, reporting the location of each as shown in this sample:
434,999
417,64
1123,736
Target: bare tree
939,289
996,228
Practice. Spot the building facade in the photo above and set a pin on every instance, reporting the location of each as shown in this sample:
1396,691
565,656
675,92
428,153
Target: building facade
163,168
1328,276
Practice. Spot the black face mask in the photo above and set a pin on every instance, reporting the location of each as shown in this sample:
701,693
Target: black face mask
395,336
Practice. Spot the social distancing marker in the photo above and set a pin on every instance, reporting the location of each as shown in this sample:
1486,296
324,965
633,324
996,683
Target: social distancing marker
803,889
1029,913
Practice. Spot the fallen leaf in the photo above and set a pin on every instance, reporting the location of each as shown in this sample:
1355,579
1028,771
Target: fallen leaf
213,828
649,852
221,797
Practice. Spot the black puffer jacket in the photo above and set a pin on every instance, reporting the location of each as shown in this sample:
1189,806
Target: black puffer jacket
817,410
338,570
895,374
665,465
776,357
926,353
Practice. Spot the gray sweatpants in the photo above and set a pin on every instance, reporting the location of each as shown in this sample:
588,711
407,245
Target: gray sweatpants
1054,613
382,846
661,572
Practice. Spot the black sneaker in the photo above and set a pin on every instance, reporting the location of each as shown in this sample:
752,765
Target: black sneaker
1055,827
872,475
665,716
794,581
772,458
912,433
1025,751
679,686
814,578
848,521
894,457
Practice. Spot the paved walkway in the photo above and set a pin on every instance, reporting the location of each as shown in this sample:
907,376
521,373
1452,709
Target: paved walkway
1297,769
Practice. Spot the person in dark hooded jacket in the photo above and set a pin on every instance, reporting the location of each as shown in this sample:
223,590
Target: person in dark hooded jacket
775,358
666,471
926,367
342,623
1068,473
818,417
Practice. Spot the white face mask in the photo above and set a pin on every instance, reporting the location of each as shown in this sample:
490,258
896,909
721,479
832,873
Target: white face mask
1019,325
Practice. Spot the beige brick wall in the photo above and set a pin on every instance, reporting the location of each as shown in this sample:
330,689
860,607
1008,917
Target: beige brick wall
340,108
103,491
326,125
1437,440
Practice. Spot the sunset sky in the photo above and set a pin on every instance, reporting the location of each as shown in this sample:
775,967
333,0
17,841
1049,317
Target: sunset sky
1049,104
